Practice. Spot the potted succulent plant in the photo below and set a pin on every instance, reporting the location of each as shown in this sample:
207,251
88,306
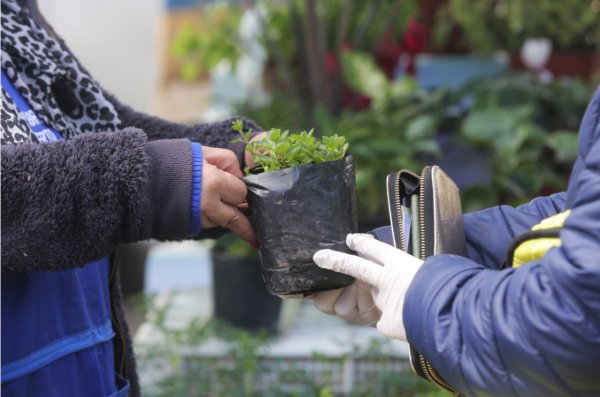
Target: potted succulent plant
302,198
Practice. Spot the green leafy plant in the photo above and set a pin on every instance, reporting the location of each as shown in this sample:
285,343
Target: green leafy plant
396,132
491,25
303,37
528,130
282,149
201,46
303,40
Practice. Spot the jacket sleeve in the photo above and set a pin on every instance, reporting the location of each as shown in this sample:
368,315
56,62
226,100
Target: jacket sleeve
505,223
218,134
67,203
529,331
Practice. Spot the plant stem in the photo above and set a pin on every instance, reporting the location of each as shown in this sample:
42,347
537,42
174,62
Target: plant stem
300,56
340,37
368,21
392,18
282,65
315,53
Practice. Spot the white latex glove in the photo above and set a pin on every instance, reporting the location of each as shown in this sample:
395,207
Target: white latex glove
353,303
387,270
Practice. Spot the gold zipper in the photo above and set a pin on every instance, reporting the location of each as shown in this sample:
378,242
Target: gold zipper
430,373
399,213
422,215
433,377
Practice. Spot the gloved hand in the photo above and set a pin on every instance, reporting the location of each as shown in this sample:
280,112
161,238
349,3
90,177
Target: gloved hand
353,303
386,270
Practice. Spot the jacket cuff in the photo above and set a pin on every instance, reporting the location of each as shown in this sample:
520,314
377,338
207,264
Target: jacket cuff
431,312
196,219
170,172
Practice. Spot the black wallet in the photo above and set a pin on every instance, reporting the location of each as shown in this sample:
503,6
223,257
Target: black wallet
426,219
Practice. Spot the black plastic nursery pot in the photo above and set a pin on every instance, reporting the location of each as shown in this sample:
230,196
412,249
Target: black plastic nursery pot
296,212
240,296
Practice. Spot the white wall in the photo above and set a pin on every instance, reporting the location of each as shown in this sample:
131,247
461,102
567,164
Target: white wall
116,40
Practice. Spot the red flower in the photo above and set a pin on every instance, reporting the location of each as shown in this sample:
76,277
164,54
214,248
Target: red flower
415,37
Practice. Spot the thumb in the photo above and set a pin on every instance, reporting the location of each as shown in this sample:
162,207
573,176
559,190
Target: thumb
352,265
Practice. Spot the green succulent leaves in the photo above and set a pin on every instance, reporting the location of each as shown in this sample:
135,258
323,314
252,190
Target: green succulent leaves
281,149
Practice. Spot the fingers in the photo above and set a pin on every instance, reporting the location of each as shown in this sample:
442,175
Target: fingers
353,303
223,159
225,186
363,255
345,305
356,305
232,190
232,218
325,300
247,155
351,265
221,195
244,207
365,245
237,222
364,297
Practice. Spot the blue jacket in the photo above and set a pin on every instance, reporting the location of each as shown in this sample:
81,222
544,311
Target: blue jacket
527,331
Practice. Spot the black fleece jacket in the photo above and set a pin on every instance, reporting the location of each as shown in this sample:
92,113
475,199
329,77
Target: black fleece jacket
67,203
80,198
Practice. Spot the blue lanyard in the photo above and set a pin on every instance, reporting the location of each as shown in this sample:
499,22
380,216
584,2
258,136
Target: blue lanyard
42,132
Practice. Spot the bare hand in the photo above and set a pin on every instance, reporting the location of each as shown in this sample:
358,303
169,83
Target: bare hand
224,194
223,159
247,156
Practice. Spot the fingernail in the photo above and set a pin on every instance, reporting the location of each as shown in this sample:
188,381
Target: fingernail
254,244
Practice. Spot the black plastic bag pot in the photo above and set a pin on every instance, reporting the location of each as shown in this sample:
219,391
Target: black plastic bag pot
296,212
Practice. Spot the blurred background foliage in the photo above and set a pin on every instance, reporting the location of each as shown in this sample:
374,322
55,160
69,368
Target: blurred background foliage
494,25
204,44
334,66
241,368
359,69
349,67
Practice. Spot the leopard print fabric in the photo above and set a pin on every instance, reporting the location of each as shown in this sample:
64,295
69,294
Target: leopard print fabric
14,129
58,90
